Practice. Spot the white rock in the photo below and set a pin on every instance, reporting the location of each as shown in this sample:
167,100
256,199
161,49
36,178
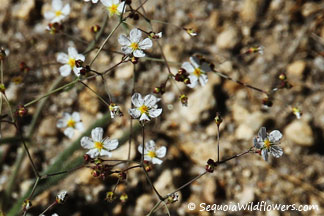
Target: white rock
300,133
228,38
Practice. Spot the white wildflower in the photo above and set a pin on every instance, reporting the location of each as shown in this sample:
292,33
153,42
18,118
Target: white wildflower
69,62
114,6
151,153
134,45
97,145
58,12
71,123
197,71
146,108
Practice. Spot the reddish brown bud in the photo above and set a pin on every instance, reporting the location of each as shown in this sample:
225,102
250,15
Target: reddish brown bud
21,111
210,165
95,28
134,60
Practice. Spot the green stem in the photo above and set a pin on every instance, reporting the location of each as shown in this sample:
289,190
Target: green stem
154,208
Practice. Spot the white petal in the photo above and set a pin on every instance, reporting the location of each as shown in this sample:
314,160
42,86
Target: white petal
57,5
94,1
188,67
135,35
135,113
203,79
194,61
87,143
80,57
61,123
150,145
144,117
262,133
145,44
123,40
257,144
156,161
193,81
62,58
66,10
76,71
110,144
147,158
106,153
150,100
276,151
126,50
121,7
49,15
107,3
72,52
76,116
93,153
153,113
115,2
264,153
140,148
161,152
57,19
275,136
137,100
65,70
139,53
79,126
96,134
69,132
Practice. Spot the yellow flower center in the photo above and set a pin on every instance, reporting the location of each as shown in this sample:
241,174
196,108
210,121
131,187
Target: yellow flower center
71,123
134,46
143,109
267,143
71,62
197,72
98,145
113,9
58,13
151,154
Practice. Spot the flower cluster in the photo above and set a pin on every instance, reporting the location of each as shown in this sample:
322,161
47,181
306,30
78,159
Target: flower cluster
268,143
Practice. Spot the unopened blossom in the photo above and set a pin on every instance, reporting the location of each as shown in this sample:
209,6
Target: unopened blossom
97,145
61,197
69,61
151,153
58,12
268,143
93,1
134,43
70,123
115,110
146,108
297,112
114,7
197,71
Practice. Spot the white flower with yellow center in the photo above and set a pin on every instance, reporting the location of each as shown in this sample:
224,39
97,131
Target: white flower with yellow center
268,143
69,61
93,1
197,71
71,123
146,108
114,6
151,153
97,145
58,12
134,45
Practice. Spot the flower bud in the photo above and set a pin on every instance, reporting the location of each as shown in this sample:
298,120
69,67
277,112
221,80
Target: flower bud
85,70
27,204
123,198
110,196
210,165
172,198
86,158
78,63
267,102
191,32
2,88
134,60
21,111
95,28
282,76
184,100
61,197
218,119
297,112
147,166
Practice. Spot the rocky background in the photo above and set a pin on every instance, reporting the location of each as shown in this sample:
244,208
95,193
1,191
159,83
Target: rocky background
292,34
